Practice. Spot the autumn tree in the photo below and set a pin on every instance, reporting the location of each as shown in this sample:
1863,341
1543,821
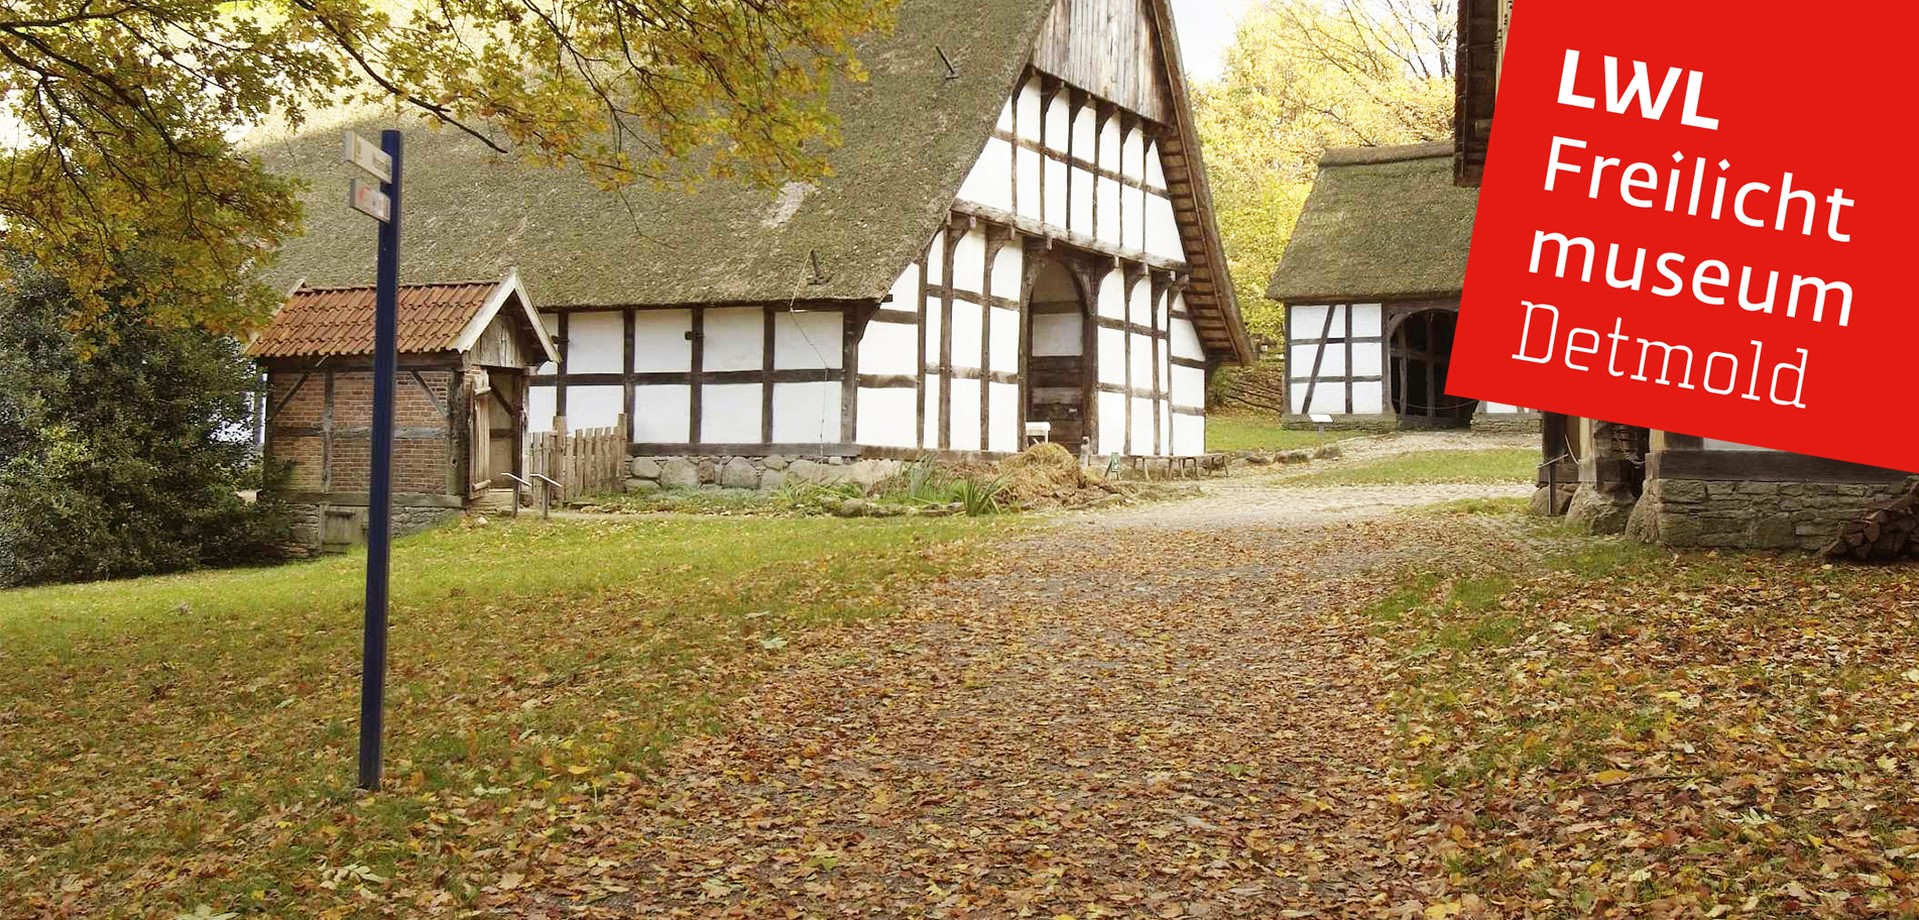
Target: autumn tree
1302,76
123,176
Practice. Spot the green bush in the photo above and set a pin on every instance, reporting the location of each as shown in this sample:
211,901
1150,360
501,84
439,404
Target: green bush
122,454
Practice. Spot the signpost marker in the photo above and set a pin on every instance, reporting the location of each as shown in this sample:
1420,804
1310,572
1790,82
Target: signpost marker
383,205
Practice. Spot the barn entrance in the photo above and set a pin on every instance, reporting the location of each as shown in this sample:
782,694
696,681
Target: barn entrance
1420,354
499,396
1057,375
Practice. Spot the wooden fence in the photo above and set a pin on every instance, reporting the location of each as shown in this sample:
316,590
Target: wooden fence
590,461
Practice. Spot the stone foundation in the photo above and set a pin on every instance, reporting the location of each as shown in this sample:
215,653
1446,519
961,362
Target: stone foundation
766,474
335,527
1750,514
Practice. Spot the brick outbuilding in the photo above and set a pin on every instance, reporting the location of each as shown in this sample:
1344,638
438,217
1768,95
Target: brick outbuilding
465,352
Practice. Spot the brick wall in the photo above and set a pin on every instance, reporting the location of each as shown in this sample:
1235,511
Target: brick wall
300,430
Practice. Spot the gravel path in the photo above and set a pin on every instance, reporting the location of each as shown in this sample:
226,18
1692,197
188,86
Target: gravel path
1168,710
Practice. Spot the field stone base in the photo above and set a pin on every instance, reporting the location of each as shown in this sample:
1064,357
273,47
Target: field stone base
1750,514
766,474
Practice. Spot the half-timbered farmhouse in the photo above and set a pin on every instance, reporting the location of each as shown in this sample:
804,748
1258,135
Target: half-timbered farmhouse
466,351
1017,243
1659,486
1371,283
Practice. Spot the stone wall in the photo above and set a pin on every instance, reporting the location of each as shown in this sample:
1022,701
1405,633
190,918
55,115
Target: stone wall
766,474
311,533
1750,514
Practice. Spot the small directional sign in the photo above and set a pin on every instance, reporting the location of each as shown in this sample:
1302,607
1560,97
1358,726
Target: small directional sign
365,197
368,156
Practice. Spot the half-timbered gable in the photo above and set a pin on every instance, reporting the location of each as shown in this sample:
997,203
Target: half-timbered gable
1016,243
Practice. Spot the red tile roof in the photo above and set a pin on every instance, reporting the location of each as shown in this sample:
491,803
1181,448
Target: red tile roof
339,321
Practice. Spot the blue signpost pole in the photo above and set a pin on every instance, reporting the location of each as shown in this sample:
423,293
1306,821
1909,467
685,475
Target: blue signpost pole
386,315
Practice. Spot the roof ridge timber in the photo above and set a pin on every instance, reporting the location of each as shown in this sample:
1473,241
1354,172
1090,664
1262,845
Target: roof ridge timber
1352,156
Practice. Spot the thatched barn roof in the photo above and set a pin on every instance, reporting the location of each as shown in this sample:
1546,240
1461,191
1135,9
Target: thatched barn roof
1382,223
910,134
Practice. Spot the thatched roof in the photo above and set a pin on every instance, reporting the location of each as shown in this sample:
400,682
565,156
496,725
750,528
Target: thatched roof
910,134
1381,223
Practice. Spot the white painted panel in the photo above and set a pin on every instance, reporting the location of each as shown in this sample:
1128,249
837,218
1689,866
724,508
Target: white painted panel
969,263
552,323
1027,111
1112,423
1058,334
888,348
539,407
1299,360
1185,340
807,340
1139,303
1189,387
806,413
1306,322
660,414
933,321
595,343
1026,187
1004,340
1112,356
1134,222
1133,155
735,338
1189,435
1155,175
1328,398
966,409
1082,202
930,437
1165,428
730,413
1369,398
1162,235
1005,122
1085,131
1143,442
1059,121
1140,360
660,344
1112,295
936,259
594,407
991,181
1056,202
906,290
1109,143
887,417
1009,267
967,333
1491,408
1332,360
1296,397
1368,359
1003,433
1366,320
1108,211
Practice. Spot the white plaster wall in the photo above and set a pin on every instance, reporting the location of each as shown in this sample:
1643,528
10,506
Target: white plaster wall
1184,338
991,180
1139,362
1109,145
1134,221
1112,422
1085,132
539,407
1365,320
1369,359
1500,409
1030,202
1139,303
730,413
1369,397
969,263
1027,110
936,258
1004,345
887,417
1081,204
1107,215
967,330
807,340
1133,154
889,348
1189,387
1112,356
1003,417
905,293
930,437
1162,228
1112,295
806,413
660,414
552,323
1155,171
660,344
735,338
1143,411
1189,435
1058,334
1059,121
1055,191
596,343
1009,269
594,407
965,420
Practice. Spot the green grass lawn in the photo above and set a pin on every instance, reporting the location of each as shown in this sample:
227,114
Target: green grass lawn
173,742
1430,466
1230,431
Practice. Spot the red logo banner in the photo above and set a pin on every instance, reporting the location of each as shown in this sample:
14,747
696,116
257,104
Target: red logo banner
1684,225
